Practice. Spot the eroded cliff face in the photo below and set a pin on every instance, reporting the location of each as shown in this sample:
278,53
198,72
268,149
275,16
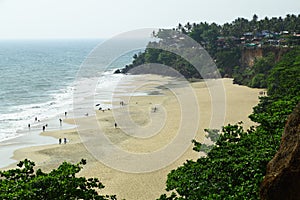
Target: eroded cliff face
250,54
282,180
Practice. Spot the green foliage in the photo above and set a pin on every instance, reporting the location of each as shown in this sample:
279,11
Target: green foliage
227,59
264,64
60,183
152,55
232,169
235,166
282,77
258,81
222,42
257,75
212,135
242,76
272,114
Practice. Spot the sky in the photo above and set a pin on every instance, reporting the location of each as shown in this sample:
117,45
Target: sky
38,19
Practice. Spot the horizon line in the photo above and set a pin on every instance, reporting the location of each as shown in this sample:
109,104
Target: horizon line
57,38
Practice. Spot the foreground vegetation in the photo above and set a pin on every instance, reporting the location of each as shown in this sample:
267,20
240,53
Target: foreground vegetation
61,183
235,166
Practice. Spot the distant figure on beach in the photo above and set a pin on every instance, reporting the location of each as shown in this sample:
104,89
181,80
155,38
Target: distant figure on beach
108,108
60,121
116,125
263,93
66,114
44,128
59,141
29,126
35,119
154,109
65,140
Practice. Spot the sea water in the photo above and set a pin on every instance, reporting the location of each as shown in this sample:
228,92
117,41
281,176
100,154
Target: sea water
37,81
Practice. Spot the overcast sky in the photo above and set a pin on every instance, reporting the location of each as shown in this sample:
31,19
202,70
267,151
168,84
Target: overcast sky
103,19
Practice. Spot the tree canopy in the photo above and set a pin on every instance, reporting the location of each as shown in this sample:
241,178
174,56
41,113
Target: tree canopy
224,44
61,183
235,166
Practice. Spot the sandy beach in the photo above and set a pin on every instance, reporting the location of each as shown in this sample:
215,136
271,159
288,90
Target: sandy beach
152,123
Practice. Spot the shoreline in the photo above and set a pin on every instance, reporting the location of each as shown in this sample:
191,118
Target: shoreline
30,138
239,103
34,135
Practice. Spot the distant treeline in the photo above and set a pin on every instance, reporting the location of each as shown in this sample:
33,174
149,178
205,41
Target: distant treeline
225,43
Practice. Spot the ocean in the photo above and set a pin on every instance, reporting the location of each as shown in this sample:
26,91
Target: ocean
37,81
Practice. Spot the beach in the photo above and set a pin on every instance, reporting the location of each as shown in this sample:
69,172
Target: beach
161,111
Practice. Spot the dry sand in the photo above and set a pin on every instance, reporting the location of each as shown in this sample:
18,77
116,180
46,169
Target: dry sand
239,103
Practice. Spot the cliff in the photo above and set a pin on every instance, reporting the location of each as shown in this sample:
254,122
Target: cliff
249,55
282,180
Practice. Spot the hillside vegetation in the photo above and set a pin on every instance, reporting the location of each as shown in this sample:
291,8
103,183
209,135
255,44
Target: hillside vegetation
235,166
225,44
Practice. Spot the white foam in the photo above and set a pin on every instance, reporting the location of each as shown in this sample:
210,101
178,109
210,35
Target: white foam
15,123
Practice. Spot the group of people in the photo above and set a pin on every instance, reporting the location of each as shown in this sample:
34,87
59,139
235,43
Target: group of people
100,108
60,140
263,93
46,125
43,127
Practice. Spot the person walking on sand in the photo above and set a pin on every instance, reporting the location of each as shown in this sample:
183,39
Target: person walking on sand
60,121
116,125
66,114
44,128
65,140
59,141
29,126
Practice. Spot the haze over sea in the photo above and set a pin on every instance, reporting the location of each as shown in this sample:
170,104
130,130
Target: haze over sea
36,80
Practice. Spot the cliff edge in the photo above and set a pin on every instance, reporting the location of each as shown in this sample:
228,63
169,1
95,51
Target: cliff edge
282,180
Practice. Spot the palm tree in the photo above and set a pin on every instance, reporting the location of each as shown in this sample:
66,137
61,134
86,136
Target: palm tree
188,26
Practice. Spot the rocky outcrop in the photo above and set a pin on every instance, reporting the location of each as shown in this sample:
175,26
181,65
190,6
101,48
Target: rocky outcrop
249,55
282,180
